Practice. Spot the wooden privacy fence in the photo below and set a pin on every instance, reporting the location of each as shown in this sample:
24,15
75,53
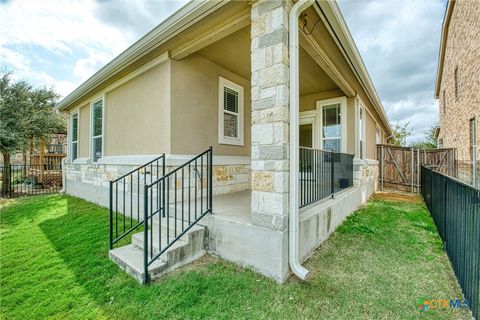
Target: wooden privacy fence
400,166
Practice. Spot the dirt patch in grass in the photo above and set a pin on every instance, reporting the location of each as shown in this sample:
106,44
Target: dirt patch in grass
398,196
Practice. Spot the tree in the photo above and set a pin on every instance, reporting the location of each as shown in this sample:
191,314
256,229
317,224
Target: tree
400,134
25,113
429,141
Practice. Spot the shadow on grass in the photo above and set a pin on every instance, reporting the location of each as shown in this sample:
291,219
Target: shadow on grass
81,239
27,209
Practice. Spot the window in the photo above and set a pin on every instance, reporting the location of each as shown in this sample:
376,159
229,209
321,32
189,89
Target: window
440,143
97,130
378,136
74,133
444,101
457,84
230,117
473,139
361,138
331,127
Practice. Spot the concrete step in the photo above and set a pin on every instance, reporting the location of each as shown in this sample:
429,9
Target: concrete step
183,251
137,240
130,259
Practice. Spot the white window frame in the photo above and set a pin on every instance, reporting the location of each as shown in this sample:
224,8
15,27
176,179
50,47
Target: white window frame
361,132
222,139
343,120
378,135
70,149
101,98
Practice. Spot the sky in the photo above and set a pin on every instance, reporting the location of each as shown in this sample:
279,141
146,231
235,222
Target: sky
62,43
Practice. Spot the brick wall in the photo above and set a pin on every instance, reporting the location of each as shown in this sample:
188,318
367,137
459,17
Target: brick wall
462,51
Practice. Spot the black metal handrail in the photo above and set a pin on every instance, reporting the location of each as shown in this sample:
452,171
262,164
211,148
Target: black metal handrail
323,173
455,209
127,217
168,204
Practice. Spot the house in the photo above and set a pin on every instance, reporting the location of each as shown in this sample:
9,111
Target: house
280,92
457,85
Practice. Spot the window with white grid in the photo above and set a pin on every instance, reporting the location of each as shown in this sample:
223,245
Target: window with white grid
230,122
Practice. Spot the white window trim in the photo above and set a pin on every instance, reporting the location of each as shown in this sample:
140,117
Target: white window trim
222,139
343,120
102,97
70,140
378,135
70,133
361,135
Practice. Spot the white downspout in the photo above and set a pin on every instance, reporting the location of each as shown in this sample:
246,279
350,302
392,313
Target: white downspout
294,221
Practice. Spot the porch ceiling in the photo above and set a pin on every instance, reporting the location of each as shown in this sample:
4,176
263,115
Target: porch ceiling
312,77
233,54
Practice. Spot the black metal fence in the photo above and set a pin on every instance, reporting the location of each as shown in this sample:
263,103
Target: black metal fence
30,179
323,173
455,208
174,203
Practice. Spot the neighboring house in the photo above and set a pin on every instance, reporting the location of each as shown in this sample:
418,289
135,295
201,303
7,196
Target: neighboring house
458,84
223,74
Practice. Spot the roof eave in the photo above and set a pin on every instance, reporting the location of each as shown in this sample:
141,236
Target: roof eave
340,28
182,18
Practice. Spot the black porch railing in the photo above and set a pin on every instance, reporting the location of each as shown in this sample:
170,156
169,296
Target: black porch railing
323,173
175,203
126,198
455,209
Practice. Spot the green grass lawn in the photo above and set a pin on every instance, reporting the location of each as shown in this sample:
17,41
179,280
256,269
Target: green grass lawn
54,264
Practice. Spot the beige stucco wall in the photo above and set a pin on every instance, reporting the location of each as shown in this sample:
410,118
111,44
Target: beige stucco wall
137,115
84,132
195,107
352,137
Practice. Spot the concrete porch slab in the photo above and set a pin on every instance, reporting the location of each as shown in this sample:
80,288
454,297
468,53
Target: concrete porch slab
234,206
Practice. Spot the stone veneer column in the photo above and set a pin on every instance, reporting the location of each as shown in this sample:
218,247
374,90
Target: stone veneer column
270,113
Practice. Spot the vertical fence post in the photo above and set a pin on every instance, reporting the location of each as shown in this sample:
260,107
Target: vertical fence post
111,213
163,194
210,178
382,163
10,180
444,227
412,174
163,164
145,234
418,171
474,166
332,175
